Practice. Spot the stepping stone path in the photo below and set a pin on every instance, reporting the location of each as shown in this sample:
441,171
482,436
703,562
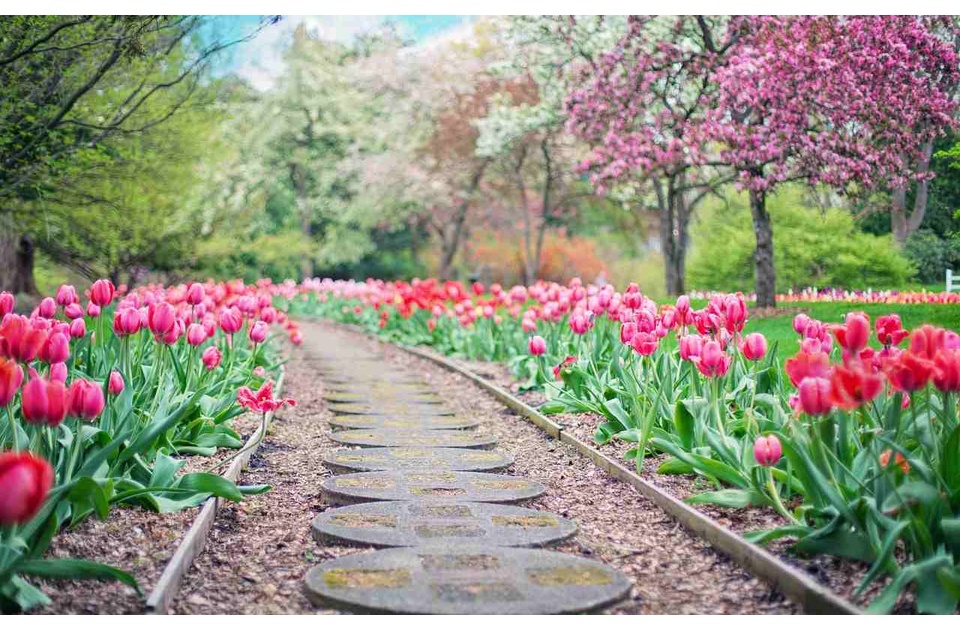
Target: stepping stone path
447,524
455,546
407,458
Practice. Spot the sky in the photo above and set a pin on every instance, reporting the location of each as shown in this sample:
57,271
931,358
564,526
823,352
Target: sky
259,61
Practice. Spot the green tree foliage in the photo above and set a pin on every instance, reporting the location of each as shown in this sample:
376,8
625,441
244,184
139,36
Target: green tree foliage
812,247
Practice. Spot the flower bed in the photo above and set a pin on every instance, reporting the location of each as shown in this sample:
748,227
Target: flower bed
855,448
105,400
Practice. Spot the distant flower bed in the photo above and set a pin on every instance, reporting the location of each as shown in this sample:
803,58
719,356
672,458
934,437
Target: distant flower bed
857,297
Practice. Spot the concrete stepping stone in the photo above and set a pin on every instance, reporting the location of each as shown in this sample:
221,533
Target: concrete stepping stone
424,438
428,486
415,458
389,408
447,525
468,581
376,397
379,388
400,423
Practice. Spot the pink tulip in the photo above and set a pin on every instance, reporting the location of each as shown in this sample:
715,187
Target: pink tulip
628,330
268,314
815,396
690,347
93,310
713,361
115,385
7,302
161,318
85,399
67,295
754,346
58,372
211,357
126,321
195,294
56,349
73,311
78,328
196,334
537,345
231,320
102,292
48,307
767,450
25,480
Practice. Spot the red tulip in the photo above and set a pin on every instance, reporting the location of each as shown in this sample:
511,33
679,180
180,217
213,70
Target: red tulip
195,294
211,358
537,345
258,332
115,385
262,400
196,334
21,338
852,387
102,292
815,395
909,372
806,364
767,450
11,377
946,376
43,401
854,334
899,460
890,330
754,346
85,399
25,480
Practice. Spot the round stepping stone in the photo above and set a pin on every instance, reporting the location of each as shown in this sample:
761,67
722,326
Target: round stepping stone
413,458
423,438
450,525
389,408
377,398
428,486
472,580
425,423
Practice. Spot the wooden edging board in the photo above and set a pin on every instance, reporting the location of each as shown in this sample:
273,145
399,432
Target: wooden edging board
801,588
167,587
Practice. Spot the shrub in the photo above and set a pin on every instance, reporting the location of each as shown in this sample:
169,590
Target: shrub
811,248
931,255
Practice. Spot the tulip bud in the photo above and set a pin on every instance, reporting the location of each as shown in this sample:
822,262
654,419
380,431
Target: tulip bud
26,479
93,310
767,450
73,311
56,349
7,302
115,385
11,377
815,396
231,320
161,318
754,346
258,332
268,314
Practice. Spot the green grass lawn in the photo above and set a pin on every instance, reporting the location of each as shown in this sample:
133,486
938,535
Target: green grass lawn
779,329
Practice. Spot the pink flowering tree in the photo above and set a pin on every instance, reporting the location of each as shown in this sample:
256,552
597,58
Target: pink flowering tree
642,106
836,101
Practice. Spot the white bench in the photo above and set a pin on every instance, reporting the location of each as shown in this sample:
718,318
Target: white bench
952,283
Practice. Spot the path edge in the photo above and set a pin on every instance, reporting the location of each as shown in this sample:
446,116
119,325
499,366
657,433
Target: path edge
796,585
193,542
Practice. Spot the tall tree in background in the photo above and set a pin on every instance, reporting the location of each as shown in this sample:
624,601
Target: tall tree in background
71,84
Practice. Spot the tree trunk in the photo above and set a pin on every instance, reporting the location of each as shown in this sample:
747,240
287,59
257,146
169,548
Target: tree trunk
672,241
902,223
450,243
16,261
763,255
